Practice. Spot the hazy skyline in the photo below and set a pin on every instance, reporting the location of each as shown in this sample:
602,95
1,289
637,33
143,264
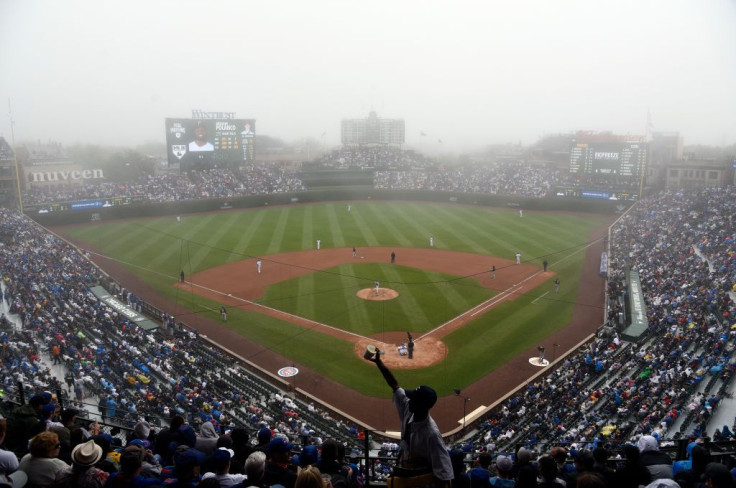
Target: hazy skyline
468,73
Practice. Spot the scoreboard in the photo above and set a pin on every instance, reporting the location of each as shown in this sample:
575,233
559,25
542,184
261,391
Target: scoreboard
210,143
609,158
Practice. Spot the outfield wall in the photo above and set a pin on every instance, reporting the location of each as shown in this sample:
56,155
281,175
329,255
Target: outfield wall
347,194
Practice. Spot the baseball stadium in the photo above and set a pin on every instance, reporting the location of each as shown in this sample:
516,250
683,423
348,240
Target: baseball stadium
367,244
317,308
249,300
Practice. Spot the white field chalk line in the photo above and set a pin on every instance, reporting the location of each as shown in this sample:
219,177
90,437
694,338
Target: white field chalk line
540,297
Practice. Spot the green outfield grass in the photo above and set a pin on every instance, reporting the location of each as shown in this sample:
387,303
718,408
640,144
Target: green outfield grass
157,249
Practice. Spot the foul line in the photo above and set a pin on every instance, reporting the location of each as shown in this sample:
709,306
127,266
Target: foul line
275,310
540,297
491,302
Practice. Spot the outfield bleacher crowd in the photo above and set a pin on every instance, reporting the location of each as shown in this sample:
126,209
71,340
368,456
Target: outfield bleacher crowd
505,178
394,170
181,399
371,157
172,187
512,178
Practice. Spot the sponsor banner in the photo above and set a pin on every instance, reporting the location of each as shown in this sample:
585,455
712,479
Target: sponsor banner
86,204
601,195
55,174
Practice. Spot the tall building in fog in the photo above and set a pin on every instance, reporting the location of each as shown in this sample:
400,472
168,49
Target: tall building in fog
372,130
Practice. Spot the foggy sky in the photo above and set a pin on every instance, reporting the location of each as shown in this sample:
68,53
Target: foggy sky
468,73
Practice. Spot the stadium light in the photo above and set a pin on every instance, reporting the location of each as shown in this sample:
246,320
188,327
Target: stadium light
465,402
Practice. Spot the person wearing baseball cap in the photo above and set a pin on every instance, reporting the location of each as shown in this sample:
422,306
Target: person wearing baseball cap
504,476
279,468
421,441
221,463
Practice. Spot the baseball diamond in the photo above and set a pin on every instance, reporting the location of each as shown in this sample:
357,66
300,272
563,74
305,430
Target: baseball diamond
471,331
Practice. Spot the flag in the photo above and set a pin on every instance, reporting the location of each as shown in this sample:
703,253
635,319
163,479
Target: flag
422,134
439,140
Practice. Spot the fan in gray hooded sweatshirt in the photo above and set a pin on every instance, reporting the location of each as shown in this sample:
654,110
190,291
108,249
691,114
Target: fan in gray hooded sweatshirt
207,439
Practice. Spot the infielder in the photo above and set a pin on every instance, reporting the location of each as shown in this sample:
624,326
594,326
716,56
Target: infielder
258,266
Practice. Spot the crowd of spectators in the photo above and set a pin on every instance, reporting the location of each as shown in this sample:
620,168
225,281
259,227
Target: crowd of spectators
512,178
172,187
371,157
610,392
507,178
395,169
604,396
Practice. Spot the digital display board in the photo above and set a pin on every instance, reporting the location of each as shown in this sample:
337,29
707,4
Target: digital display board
576,192
43,208
210,143
608,158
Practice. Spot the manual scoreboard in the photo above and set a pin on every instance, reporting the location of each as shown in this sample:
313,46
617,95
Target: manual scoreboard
612,158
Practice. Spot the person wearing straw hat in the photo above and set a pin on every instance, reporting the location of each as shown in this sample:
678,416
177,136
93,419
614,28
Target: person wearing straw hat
83,473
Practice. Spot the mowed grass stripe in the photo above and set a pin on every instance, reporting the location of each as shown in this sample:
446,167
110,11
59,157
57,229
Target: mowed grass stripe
445,236
380,215
336,235
132,235
551,238
408,303
170,249
356,314
276,242
476,225
406,218
442,231
155,242
516,237
456,292
543,239
366,228
307,237
305,288
292,235
250,225
214,243
463,230
108,236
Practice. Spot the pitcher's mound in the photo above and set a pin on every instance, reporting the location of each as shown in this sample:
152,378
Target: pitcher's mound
382,294
427,350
